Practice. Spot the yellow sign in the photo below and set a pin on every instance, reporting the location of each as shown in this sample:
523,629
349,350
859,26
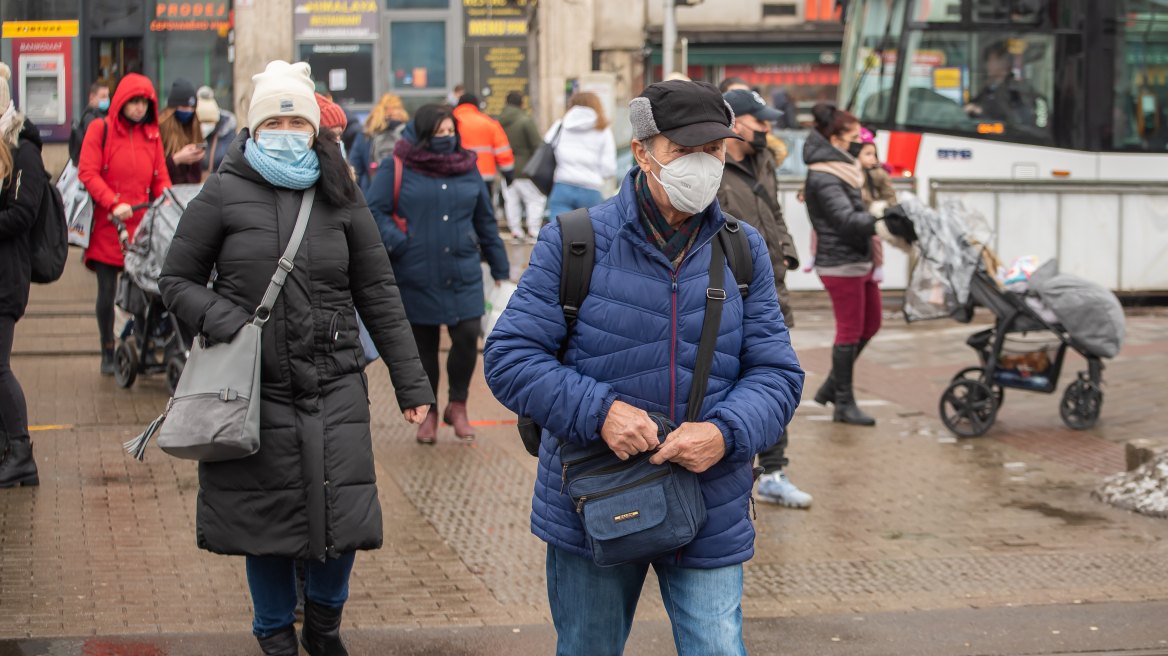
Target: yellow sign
35,29
496,27
946,78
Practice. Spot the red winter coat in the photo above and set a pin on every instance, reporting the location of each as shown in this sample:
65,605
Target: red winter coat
131,168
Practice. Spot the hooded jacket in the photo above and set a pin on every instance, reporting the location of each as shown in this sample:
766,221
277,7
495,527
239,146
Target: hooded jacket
310,491
585,156
836,208
175,136
636,340
522,135
450,229
130,169
483,135
20,202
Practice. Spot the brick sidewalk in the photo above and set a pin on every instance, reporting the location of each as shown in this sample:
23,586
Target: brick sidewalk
905,517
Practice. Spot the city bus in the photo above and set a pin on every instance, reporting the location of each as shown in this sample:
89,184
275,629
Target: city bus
1049,117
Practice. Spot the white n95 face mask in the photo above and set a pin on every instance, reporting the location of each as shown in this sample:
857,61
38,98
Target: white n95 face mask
691,181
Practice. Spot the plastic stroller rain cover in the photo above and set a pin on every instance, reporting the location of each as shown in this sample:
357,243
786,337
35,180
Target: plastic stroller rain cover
151,242
945,257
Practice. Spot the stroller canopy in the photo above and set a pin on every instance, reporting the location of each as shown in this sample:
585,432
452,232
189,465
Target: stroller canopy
949,255
1088,311
151,242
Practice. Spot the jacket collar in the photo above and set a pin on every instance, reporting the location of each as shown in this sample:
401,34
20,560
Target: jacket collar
632,230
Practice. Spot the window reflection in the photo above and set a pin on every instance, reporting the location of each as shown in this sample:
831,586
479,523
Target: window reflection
870,58
418,54
1141,76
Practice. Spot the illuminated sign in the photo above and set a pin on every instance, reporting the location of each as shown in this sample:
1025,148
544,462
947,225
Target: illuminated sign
192,17
40,29
990,128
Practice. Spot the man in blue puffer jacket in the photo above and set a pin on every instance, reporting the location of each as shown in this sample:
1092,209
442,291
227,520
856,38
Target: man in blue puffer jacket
633,351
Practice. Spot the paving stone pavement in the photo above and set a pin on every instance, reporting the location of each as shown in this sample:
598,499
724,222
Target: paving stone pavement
905,517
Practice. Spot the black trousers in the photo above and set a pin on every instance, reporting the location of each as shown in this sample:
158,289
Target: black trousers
107,289
13,411
460,364
773,460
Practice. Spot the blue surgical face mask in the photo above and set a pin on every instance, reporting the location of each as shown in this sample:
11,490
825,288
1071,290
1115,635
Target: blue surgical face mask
184,115
443,145
284,145
103,104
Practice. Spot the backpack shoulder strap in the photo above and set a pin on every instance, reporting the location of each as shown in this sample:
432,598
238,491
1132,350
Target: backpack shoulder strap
397,179
579,243
737,247
708,343
104,133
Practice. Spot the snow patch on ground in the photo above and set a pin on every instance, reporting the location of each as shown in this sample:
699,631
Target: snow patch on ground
1144,490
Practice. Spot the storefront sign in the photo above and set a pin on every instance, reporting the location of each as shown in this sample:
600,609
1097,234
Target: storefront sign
314,19
40,29
496,69
493,19
43,82
212,16
787,74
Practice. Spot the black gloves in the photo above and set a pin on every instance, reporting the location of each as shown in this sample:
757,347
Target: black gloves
899,224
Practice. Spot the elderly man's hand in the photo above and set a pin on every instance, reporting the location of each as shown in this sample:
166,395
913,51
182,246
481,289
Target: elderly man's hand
628,430
695,446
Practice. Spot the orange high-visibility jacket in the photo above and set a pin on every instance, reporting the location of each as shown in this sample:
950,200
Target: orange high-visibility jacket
485,137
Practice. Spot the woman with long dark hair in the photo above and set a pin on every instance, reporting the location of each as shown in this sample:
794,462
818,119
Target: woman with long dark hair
843,256
310,492
437,229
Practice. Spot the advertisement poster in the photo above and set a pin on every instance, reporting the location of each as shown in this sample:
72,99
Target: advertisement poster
495,51
42,79
334,19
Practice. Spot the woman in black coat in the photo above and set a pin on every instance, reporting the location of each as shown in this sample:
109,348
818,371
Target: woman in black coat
22,184
310,492
843,255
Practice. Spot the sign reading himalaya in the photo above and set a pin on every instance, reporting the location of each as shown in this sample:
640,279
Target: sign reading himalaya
191,16
315,19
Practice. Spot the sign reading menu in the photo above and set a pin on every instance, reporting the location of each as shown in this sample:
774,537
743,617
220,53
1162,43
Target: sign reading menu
495,50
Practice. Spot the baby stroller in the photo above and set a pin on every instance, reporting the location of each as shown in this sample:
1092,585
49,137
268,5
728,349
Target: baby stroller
1035,322
153,341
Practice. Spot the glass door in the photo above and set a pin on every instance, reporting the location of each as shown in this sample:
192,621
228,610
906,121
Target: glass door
113,58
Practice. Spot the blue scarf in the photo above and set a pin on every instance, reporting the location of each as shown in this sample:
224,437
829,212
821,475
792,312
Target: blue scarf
300,175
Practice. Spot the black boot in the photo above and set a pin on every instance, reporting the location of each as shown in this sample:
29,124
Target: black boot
107,360
282,643
18,467
843,358
826,393
322,631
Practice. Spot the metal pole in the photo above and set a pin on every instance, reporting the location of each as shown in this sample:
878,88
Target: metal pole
668,39
684,65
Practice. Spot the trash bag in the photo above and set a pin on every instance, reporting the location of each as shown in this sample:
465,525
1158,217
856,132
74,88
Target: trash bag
946,258
497,299
151,241
1088,311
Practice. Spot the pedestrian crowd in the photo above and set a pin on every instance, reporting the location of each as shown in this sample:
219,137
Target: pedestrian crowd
645,348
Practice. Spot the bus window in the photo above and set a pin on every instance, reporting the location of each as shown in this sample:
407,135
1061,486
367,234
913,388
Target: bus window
1007,11
991,84
1141,77
870,57
937,11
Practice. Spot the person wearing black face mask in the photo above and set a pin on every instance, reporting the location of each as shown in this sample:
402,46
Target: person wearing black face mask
435,220
182,138
749,193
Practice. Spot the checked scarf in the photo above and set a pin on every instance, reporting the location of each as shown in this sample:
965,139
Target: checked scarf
673,243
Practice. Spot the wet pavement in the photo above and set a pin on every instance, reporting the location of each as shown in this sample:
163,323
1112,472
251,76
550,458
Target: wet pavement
928,538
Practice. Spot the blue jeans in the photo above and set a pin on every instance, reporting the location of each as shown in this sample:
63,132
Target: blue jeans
593,606
273,588
565,198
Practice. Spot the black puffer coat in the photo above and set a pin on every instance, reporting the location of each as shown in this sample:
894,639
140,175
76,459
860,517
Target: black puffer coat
836,209
310,491
20,201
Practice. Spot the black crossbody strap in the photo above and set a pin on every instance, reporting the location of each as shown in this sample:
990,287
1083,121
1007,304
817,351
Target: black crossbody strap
579,244
737,247
715,295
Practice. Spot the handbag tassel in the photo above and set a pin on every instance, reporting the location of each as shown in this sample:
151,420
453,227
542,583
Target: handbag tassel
137,446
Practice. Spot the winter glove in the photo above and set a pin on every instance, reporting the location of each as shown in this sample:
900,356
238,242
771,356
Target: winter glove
509,176
899,224
888,237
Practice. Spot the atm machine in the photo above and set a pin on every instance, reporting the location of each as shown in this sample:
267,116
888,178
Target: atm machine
42,90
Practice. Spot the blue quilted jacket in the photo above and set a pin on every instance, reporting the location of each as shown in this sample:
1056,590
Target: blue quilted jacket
636,340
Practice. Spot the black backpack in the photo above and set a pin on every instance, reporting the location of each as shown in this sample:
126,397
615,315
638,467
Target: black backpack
579,244
48,238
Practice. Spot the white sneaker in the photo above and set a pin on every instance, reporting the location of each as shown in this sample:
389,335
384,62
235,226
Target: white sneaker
517,238
775,488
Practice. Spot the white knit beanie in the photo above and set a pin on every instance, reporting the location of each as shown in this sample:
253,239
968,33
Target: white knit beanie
5,90
283,89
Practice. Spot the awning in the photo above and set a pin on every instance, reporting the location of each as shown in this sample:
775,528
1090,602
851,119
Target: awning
702,55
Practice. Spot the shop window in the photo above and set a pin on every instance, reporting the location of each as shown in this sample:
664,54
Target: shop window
417,4
1141,77
38,10
117,16
418,54
990,84
198,56
345,69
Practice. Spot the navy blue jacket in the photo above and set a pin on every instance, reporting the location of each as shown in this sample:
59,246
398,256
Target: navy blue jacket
436,262
636,340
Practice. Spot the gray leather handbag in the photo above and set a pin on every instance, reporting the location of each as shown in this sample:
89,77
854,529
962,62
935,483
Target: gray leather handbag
215,412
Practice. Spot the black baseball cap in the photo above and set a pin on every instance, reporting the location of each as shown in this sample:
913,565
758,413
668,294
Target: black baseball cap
690,113
743,101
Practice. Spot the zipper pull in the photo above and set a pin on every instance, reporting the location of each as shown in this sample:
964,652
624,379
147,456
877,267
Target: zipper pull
580,504
563,479
753,510
674,276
